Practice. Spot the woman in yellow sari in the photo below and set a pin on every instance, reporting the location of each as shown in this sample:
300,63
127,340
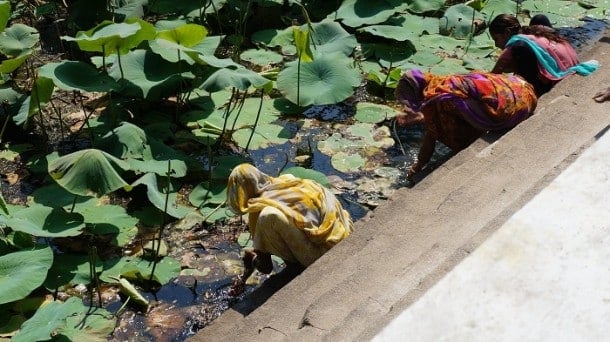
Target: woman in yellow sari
295,219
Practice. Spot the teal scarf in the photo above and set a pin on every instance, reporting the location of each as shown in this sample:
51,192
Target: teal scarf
550,64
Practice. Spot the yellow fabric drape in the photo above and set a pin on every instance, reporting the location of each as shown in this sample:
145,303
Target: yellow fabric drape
309,206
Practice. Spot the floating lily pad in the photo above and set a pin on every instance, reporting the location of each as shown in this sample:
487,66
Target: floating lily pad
136,269
301,172
347,163
373,113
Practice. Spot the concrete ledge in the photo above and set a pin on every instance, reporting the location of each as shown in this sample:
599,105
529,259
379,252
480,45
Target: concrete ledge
414,239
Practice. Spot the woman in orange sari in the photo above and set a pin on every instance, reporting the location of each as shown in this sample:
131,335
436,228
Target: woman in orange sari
457,109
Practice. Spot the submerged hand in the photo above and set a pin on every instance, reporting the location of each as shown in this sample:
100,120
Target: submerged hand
409,117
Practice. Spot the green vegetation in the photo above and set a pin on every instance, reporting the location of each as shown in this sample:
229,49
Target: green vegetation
217,77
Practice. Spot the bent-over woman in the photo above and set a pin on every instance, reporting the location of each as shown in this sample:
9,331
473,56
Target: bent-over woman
537,53
295,219
457,109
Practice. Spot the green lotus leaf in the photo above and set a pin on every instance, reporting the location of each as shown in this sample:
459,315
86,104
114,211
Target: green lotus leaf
187,35
555,9
159,167
186,6
424,6
371,135
70,269
102,218
425,58
22,272
5,14
158,198
212,213
346,162
355,13
240,78
328,79
373,113
173,52
302,43
336,143
70,320
3,206
273,38
495,7
458,21
40,96
393,55
261,57
330,37
208,46
11,64
148,75
11,99
88,172
136,269
208,192
437,42
391,32
303,173
17,38
156,157
132,8
109,38
53,195
125,141
448,66
212,121
76,75
265,135
43,221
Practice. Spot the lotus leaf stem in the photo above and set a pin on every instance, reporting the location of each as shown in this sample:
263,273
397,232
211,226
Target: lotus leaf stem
161,228
258,115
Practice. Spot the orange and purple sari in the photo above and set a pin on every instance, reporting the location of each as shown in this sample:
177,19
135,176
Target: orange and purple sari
457,109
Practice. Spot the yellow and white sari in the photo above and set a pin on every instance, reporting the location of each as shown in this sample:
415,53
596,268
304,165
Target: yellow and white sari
296,219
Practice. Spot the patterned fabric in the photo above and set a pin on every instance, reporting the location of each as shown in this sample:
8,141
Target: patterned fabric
307,205
486,101
556,60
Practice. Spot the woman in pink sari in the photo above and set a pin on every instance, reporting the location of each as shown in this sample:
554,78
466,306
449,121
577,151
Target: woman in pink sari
537,53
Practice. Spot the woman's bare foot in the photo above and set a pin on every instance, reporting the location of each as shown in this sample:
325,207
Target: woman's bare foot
603,95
